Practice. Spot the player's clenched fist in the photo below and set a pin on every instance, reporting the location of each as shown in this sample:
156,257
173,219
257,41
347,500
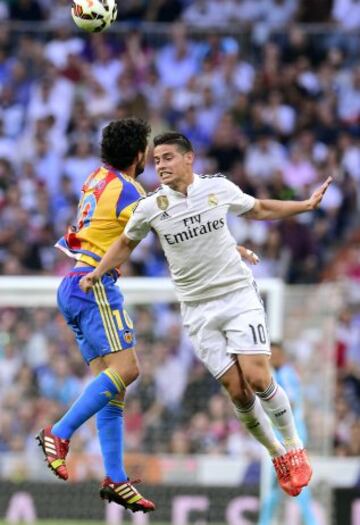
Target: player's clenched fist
87,282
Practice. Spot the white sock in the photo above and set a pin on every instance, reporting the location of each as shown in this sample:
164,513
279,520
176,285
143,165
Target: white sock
275,402
259,425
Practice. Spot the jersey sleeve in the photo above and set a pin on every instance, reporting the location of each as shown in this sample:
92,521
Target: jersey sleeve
138,225
239,201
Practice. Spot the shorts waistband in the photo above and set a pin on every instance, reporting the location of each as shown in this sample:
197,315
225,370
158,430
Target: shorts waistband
83,270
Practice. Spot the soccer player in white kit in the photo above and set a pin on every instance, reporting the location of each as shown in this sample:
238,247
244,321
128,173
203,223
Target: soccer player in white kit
220,304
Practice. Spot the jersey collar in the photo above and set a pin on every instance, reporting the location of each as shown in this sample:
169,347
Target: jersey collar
191,187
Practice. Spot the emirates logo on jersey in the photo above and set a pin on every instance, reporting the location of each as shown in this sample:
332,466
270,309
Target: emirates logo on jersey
212,199
163,202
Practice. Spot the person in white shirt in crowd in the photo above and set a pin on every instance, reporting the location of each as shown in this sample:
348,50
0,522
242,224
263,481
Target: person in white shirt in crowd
220,304
209,13
265,156
178,61
79,163
298,171
63,44
347,14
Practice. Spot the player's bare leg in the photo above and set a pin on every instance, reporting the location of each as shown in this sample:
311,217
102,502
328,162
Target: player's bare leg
275,402
250,412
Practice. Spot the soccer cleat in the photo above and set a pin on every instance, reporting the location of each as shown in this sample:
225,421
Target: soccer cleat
55,450
299,467
126,495
283,474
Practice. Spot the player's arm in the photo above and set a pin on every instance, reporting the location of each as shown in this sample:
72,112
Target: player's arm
248,255
267,209
117,254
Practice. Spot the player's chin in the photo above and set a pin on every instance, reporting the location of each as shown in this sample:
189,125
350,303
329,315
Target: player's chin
166,178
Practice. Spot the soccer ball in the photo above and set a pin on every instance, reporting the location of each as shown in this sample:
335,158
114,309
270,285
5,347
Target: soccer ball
94,15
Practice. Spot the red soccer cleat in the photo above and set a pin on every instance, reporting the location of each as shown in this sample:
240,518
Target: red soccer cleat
55,450
126,495
283,474
299,466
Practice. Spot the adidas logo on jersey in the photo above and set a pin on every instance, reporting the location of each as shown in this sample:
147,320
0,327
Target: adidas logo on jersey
164,216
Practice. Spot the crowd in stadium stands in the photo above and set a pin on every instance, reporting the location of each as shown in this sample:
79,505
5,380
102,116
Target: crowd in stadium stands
277,114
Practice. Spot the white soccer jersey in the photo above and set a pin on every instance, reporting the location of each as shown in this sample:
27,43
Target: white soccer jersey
194,235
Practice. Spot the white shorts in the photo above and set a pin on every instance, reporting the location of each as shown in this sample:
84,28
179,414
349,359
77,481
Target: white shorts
234,323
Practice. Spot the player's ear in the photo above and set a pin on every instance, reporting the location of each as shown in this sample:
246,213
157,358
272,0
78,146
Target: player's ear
141,156
189,157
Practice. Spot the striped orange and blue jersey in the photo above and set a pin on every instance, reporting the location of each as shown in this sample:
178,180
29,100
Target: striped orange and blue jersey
107,201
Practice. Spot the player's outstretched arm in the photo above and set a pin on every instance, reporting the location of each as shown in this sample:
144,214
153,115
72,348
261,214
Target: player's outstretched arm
117,254
267,209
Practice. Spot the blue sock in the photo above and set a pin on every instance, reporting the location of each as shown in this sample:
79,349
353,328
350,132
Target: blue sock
109,422
96,395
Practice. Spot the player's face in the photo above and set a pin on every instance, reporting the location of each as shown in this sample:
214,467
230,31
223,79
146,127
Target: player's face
172,165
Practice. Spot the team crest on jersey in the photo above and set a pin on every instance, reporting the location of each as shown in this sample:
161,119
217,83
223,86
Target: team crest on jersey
163,202
128,337
212,199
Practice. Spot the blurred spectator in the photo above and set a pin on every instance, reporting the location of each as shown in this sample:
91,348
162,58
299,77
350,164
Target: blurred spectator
347,13
177,61
264,157
27,10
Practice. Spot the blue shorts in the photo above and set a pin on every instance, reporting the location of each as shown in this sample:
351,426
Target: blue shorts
98,319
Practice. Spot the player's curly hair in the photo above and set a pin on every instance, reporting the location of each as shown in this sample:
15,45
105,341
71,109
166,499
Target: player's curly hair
173,137
122,140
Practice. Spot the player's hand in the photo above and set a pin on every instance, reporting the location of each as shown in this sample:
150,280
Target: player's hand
87,282
318,194
248,255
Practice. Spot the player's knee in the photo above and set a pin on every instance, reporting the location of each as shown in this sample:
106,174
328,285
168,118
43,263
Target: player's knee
242,397
131,373
257,375
240,394
135,371
259,382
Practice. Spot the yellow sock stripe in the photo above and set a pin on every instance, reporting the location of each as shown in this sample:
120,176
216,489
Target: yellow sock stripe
109,314
118,404
116,379
119,378
113,341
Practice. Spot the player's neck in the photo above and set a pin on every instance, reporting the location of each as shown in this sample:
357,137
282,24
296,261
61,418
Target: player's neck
182,185
130,172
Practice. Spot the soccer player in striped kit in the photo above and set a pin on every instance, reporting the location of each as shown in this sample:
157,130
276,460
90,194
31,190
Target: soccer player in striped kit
220,306
102,327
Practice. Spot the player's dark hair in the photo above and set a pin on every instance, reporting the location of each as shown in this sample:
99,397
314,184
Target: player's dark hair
172,137
122,140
